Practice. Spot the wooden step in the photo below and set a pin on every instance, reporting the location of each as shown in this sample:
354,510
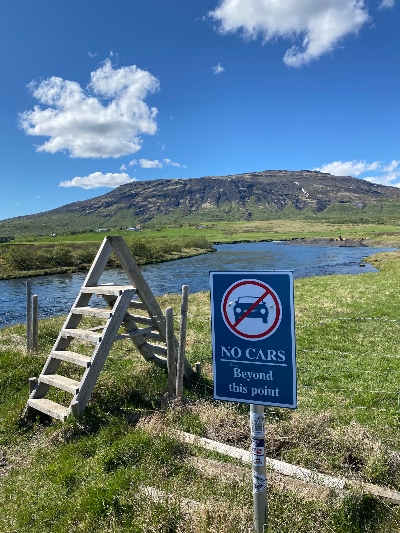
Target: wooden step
135,304
142,319
83,334
92,311
60,382
161,350
111,290
155,336
72,357
140,331
49,408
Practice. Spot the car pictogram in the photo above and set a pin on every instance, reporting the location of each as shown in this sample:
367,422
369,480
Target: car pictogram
243,303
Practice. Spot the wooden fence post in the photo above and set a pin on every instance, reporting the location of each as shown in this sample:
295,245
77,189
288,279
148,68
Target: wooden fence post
182,342
171,351
28,315
35,321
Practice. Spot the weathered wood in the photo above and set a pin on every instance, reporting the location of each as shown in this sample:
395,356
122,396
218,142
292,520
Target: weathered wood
29,315
72,357
112,326
99,264
197,367
144,292
171,351
137,305
60,382
133,333
32,384
279,466
49,407
182,342
35,321
92,311
112,290
143,320
75,409
161,350
297,472
82,334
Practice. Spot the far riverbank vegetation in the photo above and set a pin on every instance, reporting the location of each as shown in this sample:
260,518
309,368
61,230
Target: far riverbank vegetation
50,254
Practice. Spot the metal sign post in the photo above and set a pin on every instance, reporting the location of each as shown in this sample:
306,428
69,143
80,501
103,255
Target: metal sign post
254,355
259,471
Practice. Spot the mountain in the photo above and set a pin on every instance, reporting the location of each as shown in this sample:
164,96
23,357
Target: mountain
252,196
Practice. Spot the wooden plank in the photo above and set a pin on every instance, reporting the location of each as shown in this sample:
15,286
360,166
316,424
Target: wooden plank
155,336
99,264
161,350
61,382
279,466
92,311
83,334
137,305
171,351
49,407
112,290
135,276
112,326
134,333
297,472
35,321
142,319
182,342
72,357
29,315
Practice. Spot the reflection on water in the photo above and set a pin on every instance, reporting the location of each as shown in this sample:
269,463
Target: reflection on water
58,292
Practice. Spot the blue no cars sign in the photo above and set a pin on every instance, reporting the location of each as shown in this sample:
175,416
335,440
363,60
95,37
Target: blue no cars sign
253,338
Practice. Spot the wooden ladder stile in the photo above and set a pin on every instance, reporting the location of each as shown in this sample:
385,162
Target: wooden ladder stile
119,300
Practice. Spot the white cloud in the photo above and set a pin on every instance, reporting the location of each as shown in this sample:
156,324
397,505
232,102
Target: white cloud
391,166
348,168
172,164
146,163
98,179
321,24
387,4
388,179
132,163
218,69
389,174
90,54
122,167
105,119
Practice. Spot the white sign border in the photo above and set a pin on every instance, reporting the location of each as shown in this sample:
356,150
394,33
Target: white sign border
253,273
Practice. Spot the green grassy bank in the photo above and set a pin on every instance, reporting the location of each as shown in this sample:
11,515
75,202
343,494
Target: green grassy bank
87,475
43,255
23,260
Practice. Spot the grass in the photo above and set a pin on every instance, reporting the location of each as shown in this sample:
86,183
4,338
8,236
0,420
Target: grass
22,260
87,475
35,256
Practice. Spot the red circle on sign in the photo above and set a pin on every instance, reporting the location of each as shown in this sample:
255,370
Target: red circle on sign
265,292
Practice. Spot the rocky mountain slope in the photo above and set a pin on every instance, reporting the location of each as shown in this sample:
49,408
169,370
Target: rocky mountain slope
258,195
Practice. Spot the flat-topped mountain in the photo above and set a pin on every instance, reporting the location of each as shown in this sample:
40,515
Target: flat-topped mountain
251,196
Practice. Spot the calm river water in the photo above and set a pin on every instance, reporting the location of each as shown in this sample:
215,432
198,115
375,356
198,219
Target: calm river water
58,292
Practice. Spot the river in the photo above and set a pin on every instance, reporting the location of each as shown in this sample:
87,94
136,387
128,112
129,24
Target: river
57,292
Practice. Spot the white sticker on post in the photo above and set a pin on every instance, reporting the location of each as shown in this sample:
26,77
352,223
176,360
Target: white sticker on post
258,460
257,425
259,482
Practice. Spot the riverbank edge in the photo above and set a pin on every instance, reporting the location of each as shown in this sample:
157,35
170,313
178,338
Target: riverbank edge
314,241
26,274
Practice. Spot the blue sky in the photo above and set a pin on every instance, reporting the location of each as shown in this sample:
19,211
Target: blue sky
96,94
